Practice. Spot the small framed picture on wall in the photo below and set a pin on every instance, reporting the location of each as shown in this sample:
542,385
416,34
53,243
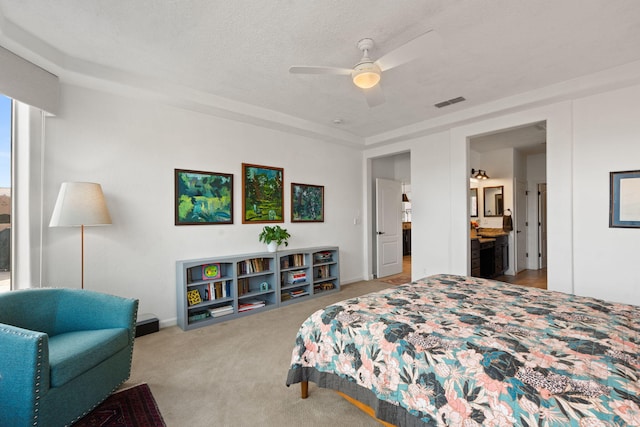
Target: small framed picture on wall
307,203
624,199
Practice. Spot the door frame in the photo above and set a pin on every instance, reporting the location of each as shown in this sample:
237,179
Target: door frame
521,218
542,226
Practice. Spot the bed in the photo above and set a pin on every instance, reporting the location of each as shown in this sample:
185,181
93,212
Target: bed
463,351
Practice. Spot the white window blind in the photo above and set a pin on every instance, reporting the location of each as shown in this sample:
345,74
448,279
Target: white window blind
28,83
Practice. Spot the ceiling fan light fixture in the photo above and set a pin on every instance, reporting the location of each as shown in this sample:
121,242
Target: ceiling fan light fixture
366,75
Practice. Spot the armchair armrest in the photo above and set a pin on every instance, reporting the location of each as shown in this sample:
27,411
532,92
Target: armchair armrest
86,310
24,373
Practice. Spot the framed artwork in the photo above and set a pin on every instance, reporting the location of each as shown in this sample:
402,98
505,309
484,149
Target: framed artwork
262,194
307,203
624,199
211,271
203,198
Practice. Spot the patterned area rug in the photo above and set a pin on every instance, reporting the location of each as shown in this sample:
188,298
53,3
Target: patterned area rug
133,407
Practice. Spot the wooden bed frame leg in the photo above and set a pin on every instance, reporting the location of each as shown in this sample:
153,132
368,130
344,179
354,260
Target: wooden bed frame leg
304,389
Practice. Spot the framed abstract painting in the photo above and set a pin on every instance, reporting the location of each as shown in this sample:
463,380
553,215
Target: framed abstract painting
203,198
624,199
307,203
262,194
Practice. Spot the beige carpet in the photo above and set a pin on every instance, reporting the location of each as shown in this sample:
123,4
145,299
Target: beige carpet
233,373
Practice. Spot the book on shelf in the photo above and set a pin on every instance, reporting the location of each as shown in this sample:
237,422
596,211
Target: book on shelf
325,256
326,286
217,290
322,272
285,296
221,311
284,262
298,293
297,276
244,286
294,260
253,265
250,304
199,315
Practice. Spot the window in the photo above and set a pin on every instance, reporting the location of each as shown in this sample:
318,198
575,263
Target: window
5,193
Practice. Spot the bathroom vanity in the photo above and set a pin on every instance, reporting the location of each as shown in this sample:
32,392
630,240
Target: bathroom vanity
489,253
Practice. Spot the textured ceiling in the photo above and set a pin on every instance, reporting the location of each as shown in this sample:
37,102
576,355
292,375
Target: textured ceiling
233,56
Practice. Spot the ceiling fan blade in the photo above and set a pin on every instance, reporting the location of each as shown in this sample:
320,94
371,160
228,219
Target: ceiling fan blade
420,46
374,95
320,70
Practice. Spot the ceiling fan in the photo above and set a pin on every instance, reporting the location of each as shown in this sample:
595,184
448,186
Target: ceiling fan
366,73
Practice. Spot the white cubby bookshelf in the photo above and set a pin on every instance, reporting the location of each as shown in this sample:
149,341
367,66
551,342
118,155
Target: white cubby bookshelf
217,289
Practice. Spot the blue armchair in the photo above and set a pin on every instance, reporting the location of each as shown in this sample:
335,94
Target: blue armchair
62,352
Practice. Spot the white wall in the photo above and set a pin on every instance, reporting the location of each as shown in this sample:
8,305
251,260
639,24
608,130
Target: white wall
606,139
586,139
131,147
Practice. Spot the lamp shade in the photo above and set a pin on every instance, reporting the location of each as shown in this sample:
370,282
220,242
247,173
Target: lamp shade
80,203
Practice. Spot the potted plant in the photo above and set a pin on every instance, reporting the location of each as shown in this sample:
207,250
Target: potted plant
274,236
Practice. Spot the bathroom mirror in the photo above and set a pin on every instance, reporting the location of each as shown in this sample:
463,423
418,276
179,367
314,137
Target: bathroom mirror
473,202
493,202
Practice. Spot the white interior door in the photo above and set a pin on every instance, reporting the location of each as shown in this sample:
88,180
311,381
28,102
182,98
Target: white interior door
388,227
520,225
542,225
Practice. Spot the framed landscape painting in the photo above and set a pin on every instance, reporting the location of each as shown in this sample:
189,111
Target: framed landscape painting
307,203
262,194
203,198
624,199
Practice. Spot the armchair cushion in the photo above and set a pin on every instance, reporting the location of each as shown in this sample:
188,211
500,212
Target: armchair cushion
73,353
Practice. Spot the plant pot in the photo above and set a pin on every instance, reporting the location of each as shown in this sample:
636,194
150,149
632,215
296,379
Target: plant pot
272,246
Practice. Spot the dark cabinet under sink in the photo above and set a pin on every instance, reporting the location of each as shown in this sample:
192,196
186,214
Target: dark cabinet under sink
489,257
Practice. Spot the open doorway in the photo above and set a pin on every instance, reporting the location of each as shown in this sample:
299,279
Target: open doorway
515,159
397,169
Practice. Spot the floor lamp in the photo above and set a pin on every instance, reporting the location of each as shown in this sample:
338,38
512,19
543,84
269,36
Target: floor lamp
80,204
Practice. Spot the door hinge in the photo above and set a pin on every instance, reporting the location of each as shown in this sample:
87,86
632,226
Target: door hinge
526,224
526,255
526,193
539,255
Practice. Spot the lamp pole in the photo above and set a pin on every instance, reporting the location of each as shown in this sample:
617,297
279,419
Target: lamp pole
80,204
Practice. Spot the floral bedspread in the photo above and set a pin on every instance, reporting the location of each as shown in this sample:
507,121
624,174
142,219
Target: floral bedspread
461,351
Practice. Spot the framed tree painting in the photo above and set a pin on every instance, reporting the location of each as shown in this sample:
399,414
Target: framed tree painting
203,198
307,203
624,199
262,194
